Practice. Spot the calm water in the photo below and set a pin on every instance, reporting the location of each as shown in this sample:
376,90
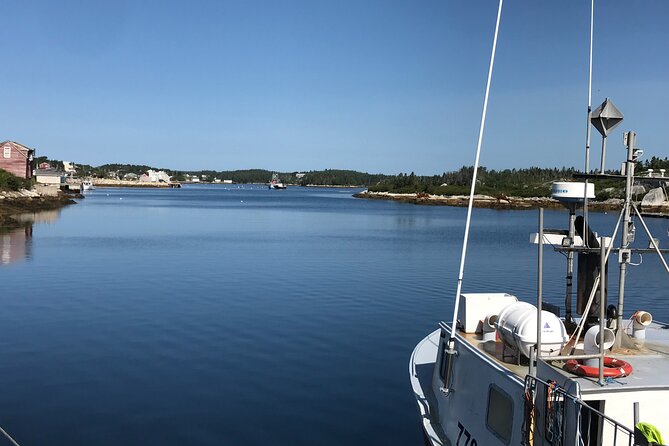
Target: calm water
212,315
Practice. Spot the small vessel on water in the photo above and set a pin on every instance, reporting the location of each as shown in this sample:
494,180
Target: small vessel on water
276,183
87,184
508,372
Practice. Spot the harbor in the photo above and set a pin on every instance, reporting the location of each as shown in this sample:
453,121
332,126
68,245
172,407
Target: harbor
334,223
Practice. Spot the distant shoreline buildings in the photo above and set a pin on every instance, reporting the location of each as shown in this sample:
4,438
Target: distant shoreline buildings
152,176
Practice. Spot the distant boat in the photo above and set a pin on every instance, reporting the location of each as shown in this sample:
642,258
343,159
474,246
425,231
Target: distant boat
276,182
87,185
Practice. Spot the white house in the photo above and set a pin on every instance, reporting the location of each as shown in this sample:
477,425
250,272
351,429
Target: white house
152,176
69,167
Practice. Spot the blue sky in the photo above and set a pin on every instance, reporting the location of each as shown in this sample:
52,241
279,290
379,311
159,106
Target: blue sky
372,85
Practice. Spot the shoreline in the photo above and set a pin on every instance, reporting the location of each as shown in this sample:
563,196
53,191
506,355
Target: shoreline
13,203
485,201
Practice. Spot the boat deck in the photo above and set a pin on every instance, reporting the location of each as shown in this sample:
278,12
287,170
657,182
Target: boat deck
649,359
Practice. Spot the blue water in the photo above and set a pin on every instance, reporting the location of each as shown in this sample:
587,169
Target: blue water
217,315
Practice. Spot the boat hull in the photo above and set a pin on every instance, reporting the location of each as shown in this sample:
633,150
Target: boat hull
449,418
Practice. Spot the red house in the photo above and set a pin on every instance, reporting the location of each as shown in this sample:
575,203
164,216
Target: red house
17,159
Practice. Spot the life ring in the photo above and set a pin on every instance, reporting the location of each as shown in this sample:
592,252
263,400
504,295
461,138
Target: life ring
613,368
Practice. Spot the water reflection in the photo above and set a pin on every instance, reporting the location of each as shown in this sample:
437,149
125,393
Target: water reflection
16,241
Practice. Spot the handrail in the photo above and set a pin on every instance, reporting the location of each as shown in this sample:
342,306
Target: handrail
620,431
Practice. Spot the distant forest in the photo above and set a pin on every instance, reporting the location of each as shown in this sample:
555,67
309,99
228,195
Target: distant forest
526,182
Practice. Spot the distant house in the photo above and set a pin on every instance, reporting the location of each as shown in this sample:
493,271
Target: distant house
44,166
69,167
131,176
50,177
17,159
155,177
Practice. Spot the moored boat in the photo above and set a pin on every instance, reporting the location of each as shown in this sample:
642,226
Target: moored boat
87,185
276,183
507,372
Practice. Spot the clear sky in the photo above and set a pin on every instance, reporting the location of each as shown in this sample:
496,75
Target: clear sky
372,85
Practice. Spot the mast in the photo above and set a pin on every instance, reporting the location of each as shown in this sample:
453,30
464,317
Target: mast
572,210
624,257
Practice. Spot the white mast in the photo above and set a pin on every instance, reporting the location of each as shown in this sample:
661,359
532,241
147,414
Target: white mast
473,186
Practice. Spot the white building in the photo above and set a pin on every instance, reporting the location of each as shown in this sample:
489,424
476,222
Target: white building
151,176
69,167
50,177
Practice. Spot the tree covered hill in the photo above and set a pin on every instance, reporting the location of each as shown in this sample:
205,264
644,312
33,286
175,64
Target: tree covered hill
525,182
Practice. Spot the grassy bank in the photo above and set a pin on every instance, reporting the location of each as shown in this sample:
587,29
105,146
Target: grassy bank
9,182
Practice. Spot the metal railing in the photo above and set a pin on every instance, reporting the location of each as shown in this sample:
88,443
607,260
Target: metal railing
554,416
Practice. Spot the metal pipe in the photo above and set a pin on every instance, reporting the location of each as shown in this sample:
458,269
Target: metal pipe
587,132
589,116
603,160
583,356
570,266
602,305
624,258
650,236
540,264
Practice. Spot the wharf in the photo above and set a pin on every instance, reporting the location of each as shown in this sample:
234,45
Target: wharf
104,182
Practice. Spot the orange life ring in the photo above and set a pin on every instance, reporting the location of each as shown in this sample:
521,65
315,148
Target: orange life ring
613,368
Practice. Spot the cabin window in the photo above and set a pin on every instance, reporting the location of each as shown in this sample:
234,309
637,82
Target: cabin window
499,417
7,152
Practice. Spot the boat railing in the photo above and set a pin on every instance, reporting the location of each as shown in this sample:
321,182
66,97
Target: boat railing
554,416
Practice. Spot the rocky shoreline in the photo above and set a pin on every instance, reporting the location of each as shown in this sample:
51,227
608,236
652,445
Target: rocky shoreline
485,201
27,201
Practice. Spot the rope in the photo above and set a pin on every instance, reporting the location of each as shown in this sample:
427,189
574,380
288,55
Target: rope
476,168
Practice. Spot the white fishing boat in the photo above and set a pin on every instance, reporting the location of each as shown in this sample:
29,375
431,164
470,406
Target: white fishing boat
507,372
87,185
276,183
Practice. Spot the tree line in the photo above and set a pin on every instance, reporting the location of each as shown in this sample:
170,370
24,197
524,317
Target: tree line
523,182
527,182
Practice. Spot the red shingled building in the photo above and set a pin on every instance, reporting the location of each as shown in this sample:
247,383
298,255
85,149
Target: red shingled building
17,159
